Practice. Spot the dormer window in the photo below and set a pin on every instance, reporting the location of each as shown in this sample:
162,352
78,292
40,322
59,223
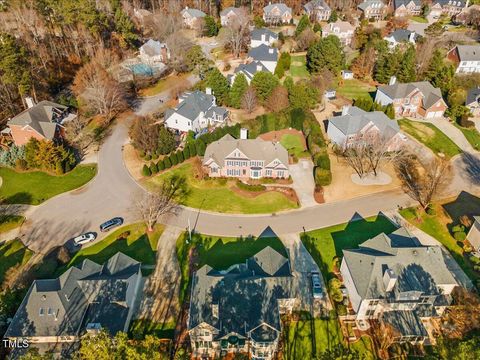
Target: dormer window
41,312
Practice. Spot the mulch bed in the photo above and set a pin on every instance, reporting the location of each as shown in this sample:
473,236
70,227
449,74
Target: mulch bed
318,195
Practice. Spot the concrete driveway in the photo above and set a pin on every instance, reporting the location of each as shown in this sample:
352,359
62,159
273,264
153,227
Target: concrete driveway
303,182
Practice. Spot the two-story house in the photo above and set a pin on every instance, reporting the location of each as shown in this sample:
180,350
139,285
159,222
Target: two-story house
372,9
417,99
402,8
473,101
262,36
265,55
401,36
249,70
154,53
277,13
341,29
356,125
85,298
446,7
192,17
473,235
317,10
238,309
466,58
394,278
246,158
229,14
196,111
42,121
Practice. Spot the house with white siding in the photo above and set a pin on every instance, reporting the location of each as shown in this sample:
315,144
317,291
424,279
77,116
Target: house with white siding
262,36
277,13
341,29
317,10
466,58
266,55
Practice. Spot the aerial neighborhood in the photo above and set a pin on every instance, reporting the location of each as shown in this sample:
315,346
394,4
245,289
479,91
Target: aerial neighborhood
246,179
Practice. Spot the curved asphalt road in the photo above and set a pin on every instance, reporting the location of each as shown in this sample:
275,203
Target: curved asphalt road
111,193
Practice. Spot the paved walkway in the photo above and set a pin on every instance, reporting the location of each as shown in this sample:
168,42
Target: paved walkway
160,300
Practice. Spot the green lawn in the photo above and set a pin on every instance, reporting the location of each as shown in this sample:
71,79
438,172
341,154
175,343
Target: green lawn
217,195
325,245
10,222
298,67
294,145
430,136
12,253
141,327
472,135
164,84
137,244
35,187
419,19
355,89
436,226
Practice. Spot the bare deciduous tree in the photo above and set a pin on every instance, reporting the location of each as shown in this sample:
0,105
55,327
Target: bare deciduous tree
463,315
423,181
384,336
144,134
151,206
278,99
249,100
306,39
237,33
178,46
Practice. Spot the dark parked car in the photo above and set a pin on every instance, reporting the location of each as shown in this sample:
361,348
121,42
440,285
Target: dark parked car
110,224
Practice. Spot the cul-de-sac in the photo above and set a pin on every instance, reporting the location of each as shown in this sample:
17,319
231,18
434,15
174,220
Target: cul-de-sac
240,179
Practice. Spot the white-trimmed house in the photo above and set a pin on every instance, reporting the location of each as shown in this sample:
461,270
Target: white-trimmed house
154,53
278,13
229,14
192,17
266,55
473,235
262,36
466,58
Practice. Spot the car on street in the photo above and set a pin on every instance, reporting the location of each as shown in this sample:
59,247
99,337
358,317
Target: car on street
316,285
110,224
84,238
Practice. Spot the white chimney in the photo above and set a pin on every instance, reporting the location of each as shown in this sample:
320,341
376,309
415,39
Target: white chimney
270,51
263,37
208,91
393,80
243,134
259,67
345,109
30,102
389,280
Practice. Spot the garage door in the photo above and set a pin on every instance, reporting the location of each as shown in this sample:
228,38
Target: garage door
430,114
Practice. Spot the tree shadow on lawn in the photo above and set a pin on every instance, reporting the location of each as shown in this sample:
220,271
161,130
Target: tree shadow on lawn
471,167
20,198
465,204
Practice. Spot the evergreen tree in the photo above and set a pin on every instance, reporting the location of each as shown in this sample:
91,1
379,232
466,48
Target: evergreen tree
180,157
193,149
390,111
200,147
440,74
186,153
279,70
196,61
154,168
173,158
166,141
219,85
237,90
302,24
14,66
146,170
125,26
333,17
211,26
161,165
406,71
386,66
264,82
167,162
326,53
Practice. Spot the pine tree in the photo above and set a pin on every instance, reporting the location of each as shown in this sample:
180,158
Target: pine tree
406,71
167,162
193,149
237,90
211,26
154,168
390,111
173,158
303,23
161,165
219,85
264,82
326,53
180,157
146,171
200,147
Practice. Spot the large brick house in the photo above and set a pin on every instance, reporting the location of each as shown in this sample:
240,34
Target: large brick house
403,8
317,10
372,9
277,13
341,29
42,121
446,7
246,158
396,279
416,99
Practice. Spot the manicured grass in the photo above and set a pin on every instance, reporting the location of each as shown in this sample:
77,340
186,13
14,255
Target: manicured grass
355,89
419,19
12,253
430,136
35,187
137,244
472,135
298,67
141,327
364,345
164,84
216,195
325,245
436,226
294,145
10,222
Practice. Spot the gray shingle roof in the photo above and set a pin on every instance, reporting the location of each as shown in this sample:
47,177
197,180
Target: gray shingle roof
398,3
418,268
86,294
153,47
250,69
43,117
443,3
254,149
228,9
194,12
405,322
356,119
256,34
316,4
472,95
282,7
402,35
246,298
399,91
370,3
192,104
469,52
263,53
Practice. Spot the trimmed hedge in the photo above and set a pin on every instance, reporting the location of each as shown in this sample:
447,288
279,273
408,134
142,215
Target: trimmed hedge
168,163
146,171
161,165
248,187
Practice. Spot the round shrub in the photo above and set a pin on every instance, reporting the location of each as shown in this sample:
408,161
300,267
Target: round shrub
21,164
458,228
148,157
186,153
180,157
460,236
161,165
430,210
168,162
141,153
192,149
154,156
173,159
323,177
467,248
146,171
154,168
474,260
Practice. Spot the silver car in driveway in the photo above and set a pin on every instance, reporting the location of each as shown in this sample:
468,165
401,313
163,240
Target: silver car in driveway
317,285
84,238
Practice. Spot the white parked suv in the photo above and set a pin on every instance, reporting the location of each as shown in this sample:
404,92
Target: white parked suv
84,238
